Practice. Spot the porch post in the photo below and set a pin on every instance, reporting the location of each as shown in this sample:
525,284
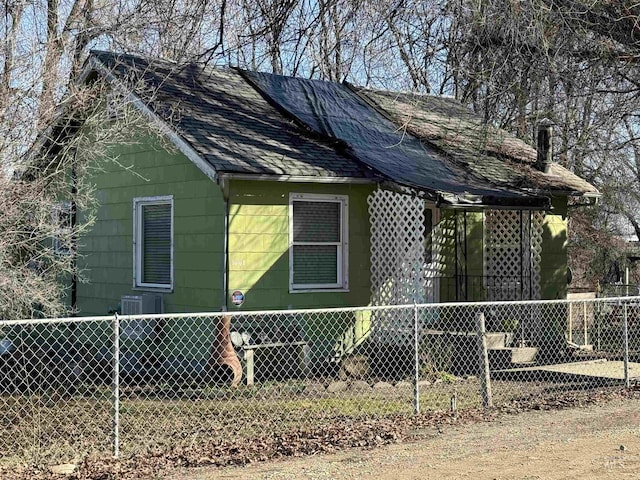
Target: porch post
465,238
456,270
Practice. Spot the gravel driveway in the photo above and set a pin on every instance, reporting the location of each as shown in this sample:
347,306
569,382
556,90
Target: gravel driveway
599,441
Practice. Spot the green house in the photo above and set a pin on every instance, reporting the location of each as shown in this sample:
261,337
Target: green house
280,192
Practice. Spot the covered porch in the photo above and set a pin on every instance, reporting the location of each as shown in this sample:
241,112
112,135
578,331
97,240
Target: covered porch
424,251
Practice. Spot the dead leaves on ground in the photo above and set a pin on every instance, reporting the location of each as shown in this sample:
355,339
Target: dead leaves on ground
327,436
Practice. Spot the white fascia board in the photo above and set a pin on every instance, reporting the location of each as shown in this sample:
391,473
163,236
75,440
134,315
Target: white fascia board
296,178
163,126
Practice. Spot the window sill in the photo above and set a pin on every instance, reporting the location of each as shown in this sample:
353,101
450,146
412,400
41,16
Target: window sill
318,290
138,288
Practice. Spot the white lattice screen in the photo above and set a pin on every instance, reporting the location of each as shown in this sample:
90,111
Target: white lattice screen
537,227
400,274
397,248
513,247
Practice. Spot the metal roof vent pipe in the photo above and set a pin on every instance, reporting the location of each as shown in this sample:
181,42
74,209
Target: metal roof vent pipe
545,145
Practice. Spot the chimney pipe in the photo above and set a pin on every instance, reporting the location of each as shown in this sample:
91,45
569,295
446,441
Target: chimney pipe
545,145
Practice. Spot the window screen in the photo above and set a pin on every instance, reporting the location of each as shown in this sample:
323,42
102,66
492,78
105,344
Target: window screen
315,264
154,238
317,244
316,222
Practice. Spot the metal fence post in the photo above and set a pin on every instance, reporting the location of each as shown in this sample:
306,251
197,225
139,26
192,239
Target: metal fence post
416,354
485,377
116,386
584,323
625,332
597,313
570,323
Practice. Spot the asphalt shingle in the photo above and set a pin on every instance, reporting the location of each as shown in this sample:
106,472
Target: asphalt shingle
227,122
236,129
485,151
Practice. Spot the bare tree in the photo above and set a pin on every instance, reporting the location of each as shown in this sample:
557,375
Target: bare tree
572,61
43,151
514,63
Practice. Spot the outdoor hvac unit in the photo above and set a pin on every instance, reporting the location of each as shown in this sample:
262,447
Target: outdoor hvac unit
140,304
140,329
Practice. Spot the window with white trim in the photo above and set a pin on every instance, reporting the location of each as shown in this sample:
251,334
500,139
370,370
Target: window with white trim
318,233
153,242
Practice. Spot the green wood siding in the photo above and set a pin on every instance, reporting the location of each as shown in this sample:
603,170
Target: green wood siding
107,249
259,245
258,238
554,264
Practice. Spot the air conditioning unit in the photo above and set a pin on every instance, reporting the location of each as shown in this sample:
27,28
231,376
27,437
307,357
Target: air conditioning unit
141,304
140,329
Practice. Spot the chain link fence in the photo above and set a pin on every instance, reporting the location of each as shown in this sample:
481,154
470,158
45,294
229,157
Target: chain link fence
619,290
150,384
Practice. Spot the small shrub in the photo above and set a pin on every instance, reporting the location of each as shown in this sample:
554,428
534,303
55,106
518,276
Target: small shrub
509,325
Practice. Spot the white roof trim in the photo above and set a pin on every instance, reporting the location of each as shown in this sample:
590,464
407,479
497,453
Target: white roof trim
165,128
296,178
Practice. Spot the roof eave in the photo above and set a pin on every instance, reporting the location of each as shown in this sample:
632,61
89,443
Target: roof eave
484,202
260,177
568,193
94,65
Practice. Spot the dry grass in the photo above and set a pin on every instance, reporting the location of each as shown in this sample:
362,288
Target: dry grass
38,432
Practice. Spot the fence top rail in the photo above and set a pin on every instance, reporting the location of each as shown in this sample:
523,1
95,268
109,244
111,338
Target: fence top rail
608,300
193,315
246,313
44,321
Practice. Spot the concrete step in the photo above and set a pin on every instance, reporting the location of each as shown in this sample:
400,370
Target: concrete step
498,339
508,357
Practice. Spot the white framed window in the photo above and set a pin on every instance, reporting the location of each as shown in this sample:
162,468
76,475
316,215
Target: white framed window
62,218
153,242
318,242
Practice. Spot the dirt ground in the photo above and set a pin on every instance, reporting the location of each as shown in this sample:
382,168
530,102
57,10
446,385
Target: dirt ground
599,441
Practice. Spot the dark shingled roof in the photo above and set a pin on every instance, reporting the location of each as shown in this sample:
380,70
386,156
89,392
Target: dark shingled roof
227,122
334,110
486,151
237,127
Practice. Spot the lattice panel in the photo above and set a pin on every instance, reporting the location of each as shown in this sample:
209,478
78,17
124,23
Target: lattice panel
537,228
397,248
503,253
398,273
513,250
